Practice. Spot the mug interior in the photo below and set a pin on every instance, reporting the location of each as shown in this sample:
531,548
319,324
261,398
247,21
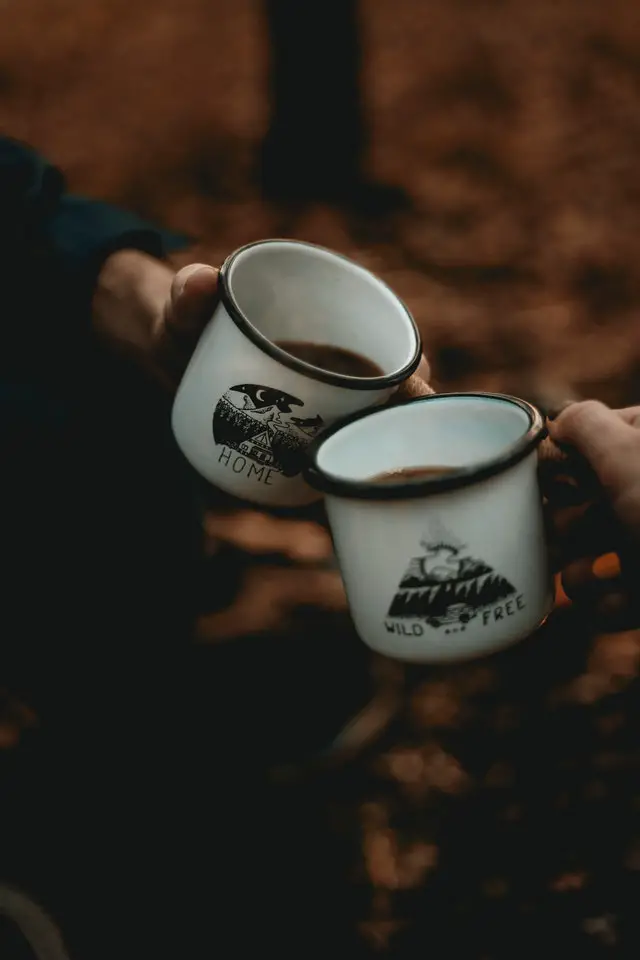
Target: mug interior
292,291
458,431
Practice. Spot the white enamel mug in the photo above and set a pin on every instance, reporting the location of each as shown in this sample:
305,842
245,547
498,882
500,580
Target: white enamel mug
246,410
448,566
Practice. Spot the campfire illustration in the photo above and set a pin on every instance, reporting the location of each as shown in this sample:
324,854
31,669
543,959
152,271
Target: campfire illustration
444,585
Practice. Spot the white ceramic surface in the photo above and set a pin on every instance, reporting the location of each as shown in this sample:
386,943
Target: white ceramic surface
434,574
245,412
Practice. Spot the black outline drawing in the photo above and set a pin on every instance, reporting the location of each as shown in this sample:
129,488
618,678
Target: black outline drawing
445,586
259,423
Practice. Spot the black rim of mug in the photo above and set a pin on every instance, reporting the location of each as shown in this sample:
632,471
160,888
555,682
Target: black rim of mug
337,486
286,359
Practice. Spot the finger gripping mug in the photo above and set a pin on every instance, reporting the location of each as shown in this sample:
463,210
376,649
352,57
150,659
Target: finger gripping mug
247,407
437,521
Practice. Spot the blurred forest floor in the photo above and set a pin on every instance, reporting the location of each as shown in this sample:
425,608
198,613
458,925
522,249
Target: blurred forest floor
514,127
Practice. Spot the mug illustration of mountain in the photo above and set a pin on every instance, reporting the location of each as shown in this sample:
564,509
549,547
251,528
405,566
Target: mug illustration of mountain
445,586
264,425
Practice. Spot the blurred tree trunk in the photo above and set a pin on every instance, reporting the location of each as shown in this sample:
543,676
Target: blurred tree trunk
315,145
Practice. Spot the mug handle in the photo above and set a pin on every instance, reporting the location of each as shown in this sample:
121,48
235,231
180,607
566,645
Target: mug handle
568,480
559,462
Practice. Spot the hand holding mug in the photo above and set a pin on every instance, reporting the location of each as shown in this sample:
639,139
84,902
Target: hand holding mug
301,338
594,505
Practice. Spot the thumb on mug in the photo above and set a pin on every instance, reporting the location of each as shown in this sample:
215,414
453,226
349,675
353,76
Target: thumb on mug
193,299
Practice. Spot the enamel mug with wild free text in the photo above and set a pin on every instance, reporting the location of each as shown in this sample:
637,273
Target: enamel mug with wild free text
437,521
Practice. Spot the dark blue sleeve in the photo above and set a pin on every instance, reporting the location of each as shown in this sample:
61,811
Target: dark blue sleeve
79,232
62,240
84,232
52,247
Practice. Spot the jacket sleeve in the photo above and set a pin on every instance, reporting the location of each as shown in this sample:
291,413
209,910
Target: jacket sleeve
52,247
65,235
84,232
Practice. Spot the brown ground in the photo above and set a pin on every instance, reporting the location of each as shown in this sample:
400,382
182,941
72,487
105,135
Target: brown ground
506,796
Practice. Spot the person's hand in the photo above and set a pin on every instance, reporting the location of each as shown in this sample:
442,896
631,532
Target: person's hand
594,503
143,308
416,386
609,440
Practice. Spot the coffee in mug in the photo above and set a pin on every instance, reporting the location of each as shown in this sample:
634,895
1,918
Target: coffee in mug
440,563
404,474
331,358
302,337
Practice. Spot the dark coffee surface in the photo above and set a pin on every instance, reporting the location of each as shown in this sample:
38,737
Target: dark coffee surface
411,473
328,357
